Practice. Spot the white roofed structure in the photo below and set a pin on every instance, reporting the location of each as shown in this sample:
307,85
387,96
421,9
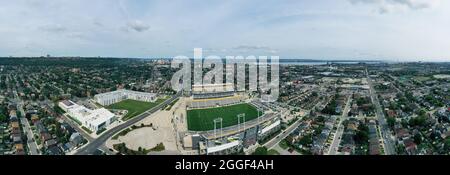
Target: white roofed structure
109,98
223,148
93,119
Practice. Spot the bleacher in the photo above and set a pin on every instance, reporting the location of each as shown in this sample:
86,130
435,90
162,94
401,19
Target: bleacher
196,104
212,95
260,105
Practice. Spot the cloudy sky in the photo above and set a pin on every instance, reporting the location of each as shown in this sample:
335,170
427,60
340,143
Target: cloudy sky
402,30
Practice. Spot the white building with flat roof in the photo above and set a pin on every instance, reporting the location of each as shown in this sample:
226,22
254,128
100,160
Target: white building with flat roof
224,149
268,130
91,119
109,98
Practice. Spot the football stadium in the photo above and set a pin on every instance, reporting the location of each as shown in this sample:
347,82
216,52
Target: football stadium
203,119
212,102
224,121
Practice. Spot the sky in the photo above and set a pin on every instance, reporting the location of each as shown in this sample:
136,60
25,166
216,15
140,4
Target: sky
395,30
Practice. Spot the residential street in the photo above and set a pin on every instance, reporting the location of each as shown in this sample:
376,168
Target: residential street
338,135
32,146
389,145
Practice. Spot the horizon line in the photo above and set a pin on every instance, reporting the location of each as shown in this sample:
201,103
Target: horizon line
300,59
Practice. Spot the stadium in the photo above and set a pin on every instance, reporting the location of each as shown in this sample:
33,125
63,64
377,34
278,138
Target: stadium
228,109
220,120
213,107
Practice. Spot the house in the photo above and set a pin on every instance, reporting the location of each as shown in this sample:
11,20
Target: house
402,133
374,149
76,139
34,118
40,127
347,149
15,128
410,146
352,126
316,150
19,149
66,127
17,138
54,150
391,113
50,143
445,135
12,114
68,147
45,136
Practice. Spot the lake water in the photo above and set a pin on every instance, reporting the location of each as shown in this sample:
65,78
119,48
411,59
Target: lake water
323,63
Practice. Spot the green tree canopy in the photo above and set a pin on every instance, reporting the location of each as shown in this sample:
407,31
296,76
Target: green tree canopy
260,151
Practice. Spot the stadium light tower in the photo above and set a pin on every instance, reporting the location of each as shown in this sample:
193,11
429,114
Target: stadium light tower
239,116
217,120
257,109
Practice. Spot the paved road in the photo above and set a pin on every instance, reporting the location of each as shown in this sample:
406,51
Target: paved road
32,146
100,141
274,142
340,130
30,142
389,146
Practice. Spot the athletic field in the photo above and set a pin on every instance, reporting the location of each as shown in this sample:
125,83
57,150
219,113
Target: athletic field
203,119
134,107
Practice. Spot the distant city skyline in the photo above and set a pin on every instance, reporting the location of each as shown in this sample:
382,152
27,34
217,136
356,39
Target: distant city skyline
389,30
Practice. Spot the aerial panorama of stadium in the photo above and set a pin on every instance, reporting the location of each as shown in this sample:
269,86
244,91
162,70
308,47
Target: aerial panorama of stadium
191,77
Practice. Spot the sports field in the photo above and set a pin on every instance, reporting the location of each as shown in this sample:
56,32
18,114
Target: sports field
134,107
203,119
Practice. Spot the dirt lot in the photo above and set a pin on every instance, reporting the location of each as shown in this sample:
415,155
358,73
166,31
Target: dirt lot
162,130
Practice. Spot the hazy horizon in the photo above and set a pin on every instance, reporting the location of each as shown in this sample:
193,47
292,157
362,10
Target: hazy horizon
384,30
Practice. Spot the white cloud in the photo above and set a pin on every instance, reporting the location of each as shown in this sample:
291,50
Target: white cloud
53,28
255,48
386,6
137,26
292,29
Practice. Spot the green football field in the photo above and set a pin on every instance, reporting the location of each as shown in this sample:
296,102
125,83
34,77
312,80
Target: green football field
134,107
203,119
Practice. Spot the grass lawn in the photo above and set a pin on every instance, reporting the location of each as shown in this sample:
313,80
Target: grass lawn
422,78
203,119
157,148
284,144
86,129
122,148
134,107
273,152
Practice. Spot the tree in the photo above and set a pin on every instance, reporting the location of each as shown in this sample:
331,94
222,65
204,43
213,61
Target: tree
320,119
422,112
306,140
58,110
362,135
417,139
2,118
260,151
391,121
418,121
447,144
